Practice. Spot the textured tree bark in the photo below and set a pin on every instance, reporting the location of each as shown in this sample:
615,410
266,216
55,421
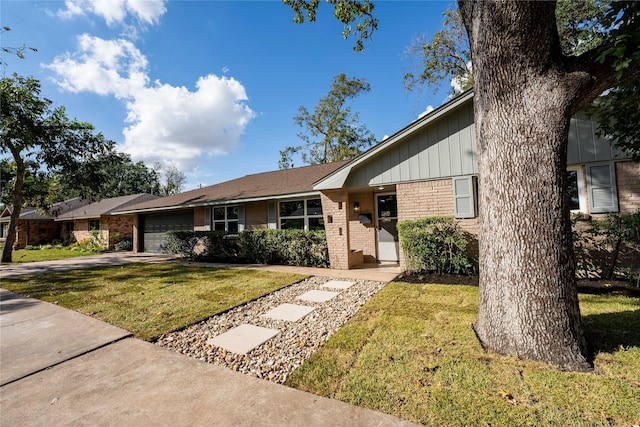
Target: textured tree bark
523,104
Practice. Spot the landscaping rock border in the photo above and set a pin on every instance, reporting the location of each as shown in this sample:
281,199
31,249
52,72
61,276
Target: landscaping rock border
276,359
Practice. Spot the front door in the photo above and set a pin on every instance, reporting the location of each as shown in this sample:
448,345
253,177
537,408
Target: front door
387,232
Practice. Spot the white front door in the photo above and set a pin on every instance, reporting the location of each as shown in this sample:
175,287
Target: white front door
387,232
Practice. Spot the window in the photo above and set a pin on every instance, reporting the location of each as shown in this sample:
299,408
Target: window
94,224
225,218
575,182
301,215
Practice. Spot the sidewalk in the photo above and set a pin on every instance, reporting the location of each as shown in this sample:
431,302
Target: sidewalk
60,367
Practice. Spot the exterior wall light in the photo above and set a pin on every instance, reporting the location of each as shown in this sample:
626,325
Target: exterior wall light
356,207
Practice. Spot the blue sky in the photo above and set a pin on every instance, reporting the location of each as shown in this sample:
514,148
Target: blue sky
212,86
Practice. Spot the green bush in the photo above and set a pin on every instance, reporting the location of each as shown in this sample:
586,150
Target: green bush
290,247
123,245
435,245
609,247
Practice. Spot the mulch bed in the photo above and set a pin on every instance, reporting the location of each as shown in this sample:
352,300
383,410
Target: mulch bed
585,286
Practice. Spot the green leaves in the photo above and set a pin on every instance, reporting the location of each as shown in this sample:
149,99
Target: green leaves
333,132
356,15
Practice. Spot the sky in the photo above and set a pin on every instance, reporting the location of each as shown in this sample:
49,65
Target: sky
212,87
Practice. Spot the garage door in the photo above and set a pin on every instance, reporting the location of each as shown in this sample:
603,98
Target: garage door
155,226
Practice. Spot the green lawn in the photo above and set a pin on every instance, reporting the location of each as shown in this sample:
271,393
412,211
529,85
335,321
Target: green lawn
411,352
50,254
151,299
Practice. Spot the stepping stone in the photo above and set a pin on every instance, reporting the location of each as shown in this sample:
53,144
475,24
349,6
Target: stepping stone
290,312
317,296
243,339
338,284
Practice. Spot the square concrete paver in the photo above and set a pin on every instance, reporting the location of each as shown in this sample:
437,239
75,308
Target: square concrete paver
289,312
317,296
338,284
244,338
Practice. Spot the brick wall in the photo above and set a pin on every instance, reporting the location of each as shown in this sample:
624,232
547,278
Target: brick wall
432,198
256,215
628,183
119,227
362,237
335,205
35,233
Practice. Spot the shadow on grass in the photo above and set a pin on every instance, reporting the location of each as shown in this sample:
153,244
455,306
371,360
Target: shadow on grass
606,332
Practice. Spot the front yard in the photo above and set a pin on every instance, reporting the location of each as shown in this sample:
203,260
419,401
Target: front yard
150,299
411,352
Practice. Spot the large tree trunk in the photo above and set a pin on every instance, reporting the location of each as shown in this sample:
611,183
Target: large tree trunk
7,251
523,105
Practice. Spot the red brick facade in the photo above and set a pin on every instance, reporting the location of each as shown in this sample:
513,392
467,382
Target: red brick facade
628,183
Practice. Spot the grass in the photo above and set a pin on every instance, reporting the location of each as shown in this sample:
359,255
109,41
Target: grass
411,352
150,299
50,254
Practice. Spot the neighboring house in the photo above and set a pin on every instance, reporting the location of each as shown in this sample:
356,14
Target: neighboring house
98,220
429,168
278,199
35,226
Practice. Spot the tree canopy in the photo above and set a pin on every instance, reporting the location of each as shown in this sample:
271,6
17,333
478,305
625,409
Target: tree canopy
333,131
33,131
582,26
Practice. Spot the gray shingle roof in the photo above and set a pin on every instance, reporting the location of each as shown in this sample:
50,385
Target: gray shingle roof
30,213
105,206
257,186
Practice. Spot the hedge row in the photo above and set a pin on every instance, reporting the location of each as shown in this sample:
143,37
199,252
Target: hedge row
435,245
288,247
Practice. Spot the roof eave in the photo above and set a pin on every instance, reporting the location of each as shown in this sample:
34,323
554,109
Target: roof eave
338,178
218,203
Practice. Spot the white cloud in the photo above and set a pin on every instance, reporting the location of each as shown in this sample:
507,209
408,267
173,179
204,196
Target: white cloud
105,67
168,124
426,111
116,11
176,125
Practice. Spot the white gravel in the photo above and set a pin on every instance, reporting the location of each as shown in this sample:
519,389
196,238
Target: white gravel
276,359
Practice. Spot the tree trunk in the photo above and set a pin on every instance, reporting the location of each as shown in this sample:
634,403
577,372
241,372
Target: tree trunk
523,104
7,251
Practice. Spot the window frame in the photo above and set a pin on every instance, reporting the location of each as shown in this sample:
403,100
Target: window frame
582,190
305,216
226,221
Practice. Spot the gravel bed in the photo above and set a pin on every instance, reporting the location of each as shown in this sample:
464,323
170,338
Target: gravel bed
277,358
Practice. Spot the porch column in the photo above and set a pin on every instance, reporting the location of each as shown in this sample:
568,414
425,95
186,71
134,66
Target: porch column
335,205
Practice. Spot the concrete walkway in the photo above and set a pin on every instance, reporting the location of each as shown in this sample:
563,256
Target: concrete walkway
58,367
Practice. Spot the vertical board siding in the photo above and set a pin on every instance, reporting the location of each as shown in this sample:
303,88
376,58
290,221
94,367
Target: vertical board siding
446,147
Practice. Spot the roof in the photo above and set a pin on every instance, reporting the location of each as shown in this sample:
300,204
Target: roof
105,206
30,213
338,178
262,186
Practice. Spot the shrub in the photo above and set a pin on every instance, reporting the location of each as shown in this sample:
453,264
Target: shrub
435,245
604,244
292,247
123,245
